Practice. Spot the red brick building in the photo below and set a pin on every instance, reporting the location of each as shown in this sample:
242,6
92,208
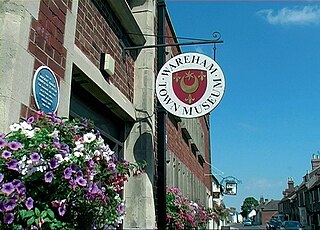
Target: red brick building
80,41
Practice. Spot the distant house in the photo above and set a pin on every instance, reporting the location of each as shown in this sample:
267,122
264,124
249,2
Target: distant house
265,210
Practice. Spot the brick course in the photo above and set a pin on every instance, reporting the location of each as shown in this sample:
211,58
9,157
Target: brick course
46,38
101,34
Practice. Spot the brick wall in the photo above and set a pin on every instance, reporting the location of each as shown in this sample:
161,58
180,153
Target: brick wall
98,31
176,144
46,42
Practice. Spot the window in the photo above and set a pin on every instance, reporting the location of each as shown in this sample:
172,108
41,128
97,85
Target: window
111,127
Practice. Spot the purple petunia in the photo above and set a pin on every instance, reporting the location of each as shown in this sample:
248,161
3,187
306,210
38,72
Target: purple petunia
21,189
1,177
53,163
13,165
74,167
2,135
7,188
48,177
2,142
2,206
80,181
94,189
35,157
30,120
6,154
16,182
56,143
8,218
90,163
14,146
62,210
121,209
29,203
64,149
67,173
111,166
9,204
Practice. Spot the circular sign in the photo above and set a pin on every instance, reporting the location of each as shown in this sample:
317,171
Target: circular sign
46,90
190,85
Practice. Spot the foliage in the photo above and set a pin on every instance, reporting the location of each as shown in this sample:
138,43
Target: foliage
220,210
185,214
249,203
59,174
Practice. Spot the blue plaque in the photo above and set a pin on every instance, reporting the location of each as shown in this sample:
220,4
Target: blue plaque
46,90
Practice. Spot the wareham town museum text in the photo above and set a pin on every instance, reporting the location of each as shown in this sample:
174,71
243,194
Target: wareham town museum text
190,85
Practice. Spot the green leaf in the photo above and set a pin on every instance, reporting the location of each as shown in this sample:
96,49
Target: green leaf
26,214
44,213
47,220
50,213
30,221
37,211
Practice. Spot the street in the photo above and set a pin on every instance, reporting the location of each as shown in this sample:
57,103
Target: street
240,226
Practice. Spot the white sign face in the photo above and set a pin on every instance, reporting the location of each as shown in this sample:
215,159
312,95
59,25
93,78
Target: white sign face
231,189
190,85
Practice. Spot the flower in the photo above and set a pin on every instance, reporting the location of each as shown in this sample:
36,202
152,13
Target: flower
8,218
7,188
6,154
88,137
60,173
14,146
35,157
2,143
185,214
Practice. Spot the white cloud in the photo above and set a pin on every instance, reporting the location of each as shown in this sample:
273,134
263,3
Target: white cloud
298,15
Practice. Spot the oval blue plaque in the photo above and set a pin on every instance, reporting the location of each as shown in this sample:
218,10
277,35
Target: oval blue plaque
46,90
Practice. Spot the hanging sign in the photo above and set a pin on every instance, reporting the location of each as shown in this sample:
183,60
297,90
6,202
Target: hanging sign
46,90
231,188
190,85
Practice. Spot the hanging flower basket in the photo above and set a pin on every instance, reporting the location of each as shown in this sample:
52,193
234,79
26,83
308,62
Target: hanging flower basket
60,174
185,214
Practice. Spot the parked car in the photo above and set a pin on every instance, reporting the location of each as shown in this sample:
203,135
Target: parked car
274,224
247,222
291,225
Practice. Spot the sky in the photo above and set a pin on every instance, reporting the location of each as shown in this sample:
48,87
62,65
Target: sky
267,125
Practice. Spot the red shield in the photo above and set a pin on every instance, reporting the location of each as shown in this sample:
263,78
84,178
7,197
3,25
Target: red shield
189,85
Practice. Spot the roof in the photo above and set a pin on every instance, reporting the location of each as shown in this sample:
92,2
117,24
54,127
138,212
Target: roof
271,205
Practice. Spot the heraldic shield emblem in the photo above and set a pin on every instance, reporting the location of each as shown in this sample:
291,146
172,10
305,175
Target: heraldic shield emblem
189,85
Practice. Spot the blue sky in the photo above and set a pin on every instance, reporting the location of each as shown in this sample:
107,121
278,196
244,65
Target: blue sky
267,125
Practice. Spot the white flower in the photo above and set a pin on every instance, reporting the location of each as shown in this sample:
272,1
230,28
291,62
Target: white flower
54,134
28,133
25,125
59,157
89,137
67,158
79,146
24,171
97,153
14,127
119,219
78,154
24,158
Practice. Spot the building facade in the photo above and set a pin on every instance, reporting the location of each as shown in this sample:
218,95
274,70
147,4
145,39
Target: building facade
302,202
78,40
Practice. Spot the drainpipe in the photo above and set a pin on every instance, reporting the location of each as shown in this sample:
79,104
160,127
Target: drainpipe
161,120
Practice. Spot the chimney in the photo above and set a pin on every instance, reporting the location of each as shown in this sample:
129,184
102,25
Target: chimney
315,161
261,200
290,184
